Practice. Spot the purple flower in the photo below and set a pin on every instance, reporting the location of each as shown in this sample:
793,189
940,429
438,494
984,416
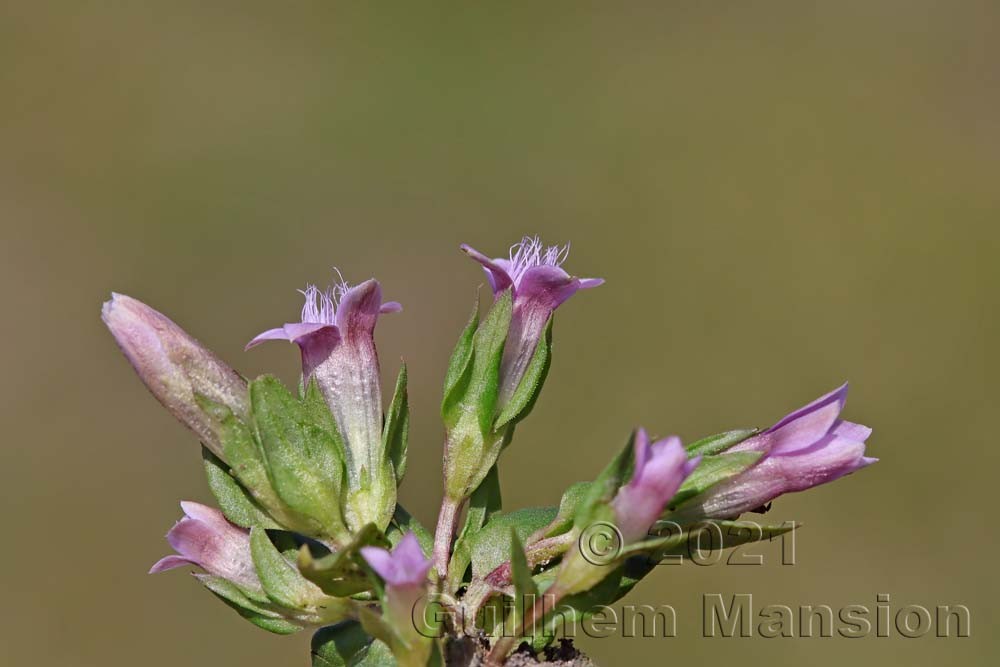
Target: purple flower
540,286
205,539
404,571
405,566
336,338
660,469
808,447
175,367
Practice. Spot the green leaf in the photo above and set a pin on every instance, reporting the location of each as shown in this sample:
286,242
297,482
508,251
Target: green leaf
720,442
404,522
530,386
397,427
304,460
342,573
244,458
278,626
525,590
490,547
238,506
484,502
255,601
456,379
261,614
378,655
711,471
340,645
569,505
283,583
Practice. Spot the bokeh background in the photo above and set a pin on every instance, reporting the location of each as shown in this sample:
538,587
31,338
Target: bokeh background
781,195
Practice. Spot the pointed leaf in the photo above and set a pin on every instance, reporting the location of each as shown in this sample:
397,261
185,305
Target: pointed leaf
234,501
244,458
525,590
303,458
569,504
254,601
340,645
490,547
484,502
263,615
281,581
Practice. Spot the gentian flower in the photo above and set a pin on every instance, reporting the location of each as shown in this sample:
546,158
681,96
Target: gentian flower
404,571
175,367
809,447
205,539
660,469
405,566
336,338
540,285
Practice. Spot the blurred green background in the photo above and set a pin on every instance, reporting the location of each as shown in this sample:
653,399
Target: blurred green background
781,196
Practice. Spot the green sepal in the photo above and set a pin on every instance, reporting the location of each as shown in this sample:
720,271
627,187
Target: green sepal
280,579
710,471
594,504
234,501
341,573
318,412
523,399
456,379
397,427
472,445
487,351
304,459
490,547
525,589
340,645
720,442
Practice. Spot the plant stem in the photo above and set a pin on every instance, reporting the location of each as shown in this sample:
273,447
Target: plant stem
444,534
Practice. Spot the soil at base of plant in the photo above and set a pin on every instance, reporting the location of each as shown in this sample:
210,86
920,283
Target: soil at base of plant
471,652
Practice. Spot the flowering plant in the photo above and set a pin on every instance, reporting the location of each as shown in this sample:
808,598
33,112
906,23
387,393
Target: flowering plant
310,533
